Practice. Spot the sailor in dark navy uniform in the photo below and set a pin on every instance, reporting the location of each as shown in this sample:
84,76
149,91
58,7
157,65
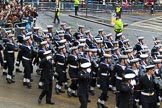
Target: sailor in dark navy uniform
73,62
143,60
83,84
139,46
50,31
89,40
46,65
109,40
100,34
10,57
120,39
105,70
158,80
63,26
27,56
68,35
36,36
41,56
20,41
118,73
126,91
147,87
61,65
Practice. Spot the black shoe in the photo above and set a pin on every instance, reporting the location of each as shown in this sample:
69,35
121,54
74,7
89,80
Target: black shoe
18,70
24,83
51,103
61,91
29,85
66,87
9,81
12,81
69,93
104,106
74,95
31,80
4,73
99,105
89,101
40,87
38,72
92,92
39,101
57,91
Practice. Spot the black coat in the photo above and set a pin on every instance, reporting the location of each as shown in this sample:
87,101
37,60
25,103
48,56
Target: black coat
126,96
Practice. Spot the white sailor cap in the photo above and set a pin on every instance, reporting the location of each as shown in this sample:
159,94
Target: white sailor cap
61,47
22,28
159,56
140,38
126,40
119,34
29,33
116,48
26,38
129,76
81,26
158,41
82,40
87,31
156,61
81,44
134,60
46,36
158,45
47,52
110,34
49,26
128,50
99,41
107,55
115,42
8,31
60,31
62,41
108,49
93,50
123,57
11,35
62,24
143,56
85,65
36,28
43,42
150,67
74,48
45,31
100,30
80,35
145,50
61,34
69,27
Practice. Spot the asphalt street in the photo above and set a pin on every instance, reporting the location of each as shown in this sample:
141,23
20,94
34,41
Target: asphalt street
18,96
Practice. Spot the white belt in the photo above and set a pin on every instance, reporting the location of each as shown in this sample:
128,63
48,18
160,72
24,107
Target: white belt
10,51
25,58
147,94
60,63
104,74
119,78
72,66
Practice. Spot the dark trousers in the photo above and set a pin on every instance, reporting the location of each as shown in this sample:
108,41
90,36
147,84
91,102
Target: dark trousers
148,105
10,65
83,98
56,17
104,88
76,10
1,59
47,91
27,68
73,85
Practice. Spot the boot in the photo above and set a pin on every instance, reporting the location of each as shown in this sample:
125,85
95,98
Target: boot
57,91
61,91
69,93
8,81
92,92
29,85
74,95
18,70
